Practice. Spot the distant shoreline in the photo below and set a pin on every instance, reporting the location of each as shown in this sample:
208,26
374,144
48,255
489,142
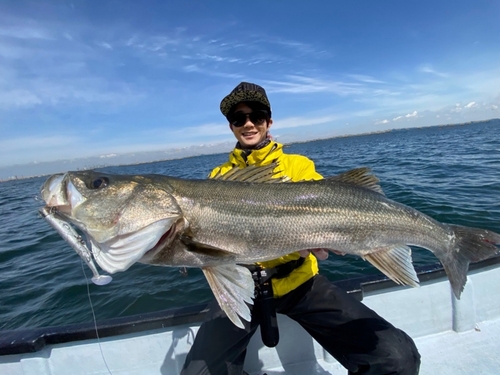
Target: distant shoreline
395,129
213,150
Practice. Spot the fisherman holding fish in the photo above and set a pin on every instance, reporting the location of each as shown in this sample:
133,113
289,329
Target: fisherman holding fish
251,229
362,341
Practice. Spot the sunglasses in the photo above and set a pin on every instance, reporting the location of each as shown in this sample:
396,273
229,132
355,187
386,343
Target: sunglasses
239,119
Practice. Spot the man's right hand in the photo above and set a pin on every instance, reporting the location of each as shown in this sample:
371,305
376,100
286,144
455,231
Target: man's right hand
321,254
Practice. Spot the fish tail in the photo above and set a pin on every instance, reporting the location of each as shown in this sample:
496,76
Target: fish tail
469,245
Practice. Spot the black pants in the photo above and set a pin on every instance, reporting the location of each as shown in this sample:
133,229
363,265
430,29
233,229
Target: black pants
362,341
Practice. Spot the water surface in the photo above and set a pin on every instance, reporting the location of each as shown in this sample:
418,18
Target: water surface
451,173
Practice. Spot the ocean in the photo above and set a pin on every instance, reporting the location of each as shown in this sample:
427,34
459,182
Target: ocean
451,173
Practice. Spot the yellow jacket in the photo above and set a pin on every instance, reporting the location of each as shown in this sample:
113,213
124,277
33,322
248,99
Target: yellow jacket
297,168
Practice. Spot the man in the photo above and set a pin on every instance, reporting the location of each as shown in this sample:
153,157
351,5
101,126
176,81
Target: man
362,341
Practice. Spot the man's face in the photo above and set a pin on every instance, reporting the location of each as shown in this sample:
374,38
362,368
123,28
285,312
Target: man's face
249,135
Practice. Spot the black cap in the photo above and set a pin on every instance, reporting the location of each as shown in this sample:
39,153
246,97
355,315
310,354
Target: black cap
245,92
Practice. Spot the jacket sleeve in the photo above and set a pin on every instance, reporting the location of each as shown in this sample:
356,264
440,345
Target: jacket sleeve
301,168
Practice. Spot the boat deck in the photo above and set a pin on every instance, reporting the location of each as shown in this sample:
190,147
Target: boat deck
465,353
446,353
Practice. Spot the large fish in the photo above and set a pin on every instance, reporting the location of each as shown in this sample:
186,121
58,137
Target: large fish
239,218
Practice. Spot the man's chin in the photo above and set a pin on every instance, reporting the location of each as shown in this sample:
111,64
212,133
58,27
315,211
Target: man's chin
249,142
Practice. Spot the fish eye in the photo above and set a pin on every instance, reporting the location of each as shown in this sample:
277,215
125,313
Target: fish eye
100,182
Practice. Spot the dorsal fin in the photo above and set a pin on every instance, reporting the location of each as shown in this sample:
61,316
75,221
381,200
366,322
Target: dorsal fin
360,177
252,173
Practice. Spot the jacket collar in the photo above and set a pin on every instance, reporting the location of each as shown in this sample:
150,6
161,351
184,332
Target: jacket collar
263,156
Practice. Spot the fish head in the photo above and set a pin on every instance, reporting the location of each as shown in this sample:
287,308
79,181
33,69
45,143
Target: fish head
126,219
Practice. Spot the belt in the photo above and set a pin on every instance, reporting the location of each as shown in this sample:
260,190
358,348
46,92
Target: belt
281,271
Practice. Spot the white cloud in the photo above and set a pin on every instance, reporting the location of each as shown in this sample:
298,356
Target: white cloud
194,68
458,107
306,85
382,122
156,43
18,98
104,45
364,78
427,68
409,115
21,144
20,29
295,122
209,129
74,91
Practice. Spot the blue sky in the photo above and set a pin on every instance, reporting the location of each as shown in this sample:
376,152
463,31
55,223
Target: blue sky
86,78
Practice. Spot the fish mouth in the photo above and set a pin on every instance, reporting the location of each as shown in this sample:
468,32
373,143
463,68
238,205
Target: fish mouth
60,194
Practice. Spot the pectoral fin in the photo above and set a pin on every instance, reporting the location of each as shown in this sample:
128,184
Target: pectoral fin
232,286
396,264
206,251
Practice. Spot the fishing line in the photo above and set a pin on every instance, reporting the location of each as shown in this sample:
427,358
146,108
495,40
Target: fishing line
95,320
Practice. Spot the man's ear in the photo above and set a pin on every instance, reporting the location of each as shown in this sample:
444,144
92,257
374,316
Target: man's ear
269,123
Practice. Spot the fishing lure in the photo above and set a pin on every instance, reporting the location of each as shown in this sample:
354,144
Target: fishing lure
67,232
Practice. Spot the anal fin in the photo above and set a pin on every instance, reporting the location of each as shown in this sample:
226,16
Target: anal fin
396,264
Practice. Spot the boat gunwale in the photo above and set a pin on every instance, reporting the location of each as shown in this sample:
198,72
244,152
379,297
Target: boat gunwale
35,339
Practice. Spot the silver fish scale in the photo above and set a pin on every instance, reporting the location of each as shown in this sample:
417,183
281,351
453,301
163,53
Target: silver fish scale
283,218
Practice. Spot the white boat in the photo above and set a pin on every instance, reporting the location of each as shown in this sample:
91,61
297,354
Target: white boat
454,337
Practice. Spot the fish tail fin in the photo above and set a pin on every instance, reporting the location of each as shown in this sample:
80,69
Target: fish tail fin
470,245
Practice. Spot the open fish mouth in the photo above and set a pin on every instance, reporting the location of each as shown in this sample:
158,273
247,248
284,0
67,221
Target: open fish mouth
55,194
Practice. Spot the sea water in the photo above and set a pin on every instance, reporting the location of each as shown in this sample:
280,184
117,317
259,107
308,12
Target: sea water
451,173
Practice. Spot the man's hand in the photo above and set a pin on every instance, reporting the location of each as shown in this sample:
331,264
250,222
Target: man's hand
321,254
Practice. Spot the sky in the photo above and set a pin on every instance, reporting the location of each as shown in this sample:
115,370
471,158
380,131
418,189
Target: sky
99,78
